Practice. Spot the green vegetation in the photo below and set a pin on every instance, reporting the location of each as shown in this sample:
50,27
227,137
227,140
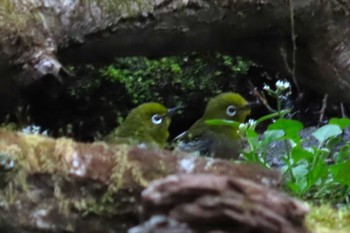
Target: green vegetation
316,169
151,79
85,87
308,174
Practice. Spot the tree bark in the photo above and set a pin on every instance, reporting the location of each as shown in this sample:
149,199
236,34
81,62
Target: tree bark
40,36
210,203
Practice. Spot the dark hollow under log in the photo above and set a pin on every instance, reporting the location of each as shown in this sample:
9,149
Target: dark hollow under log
41,36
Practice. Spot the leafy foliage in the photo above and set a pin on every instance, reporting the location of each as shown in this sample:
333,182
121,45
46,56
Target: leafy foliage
316,166
151,79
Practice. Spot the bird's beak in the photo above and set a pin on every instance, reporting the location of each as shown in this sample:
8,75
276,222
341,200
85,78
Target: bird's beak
171,111
249,105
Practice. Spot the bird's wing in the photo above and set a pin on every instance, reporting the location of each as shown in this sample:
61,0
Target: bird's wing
194,139
180,136
193,132
200,145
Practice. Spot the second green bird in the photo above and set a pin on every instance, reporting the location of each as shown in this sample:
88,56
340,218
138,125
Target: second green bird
217,140
145,125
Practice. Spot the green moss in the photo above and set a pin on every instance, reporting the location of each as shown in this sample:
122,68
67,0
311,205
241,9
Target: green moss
156,79
324,219
121,166
32,154
35,154
113,201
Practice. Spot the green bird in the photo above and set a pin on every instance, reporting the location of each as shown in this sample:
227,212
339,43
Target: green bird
217,140
145,125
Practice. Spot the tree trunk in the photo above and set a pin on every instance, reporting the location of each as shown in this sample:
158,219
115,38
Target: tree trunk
40,36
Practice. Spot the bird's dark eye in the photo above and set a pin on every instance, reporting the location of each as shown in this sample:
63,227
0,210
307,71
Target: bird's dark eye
231,110
157,119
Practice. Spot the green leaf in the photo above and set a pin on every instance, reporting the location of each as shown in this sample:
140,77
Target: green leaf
343,154
318,172
299,184
341,122
271,116
341,172
252,156
290,127
299,153
300,171
234,124
297,187
325,132
272,135
252,138
333,142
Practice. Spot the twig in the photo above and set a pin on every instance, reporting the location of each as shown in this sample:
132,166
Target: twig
342,109
323,109
293,38
260,96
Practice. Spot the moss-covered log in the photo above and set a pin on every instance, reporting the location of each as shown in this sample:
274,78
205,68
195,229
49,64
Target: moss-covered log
50,185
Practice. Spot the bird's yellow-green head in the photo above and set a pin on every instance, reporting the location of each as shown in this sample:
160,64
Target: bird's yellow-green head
148,123
228,106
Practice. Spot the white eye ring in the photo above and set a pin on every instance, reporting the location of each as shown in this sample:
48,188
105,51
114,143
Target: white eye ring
231,110
157,119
